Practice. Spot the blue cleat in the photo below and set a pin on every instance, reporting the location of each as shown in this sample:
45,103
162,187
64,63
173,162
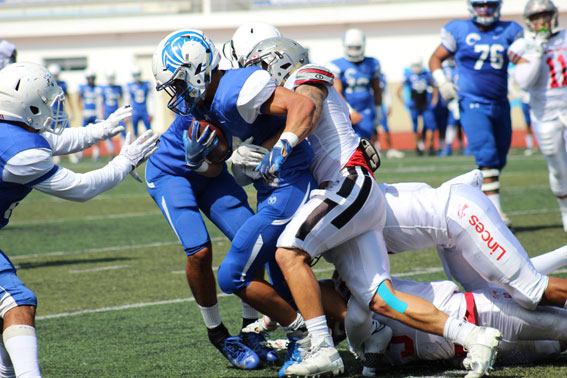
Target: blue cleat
257,341
294,355
447,151
238,353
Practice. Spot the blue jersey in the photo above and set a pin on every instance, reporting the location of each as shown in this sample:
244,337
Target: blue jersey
419,87
90,95
15,140
139,93
224,113
356,78
63,85
481,57
111,97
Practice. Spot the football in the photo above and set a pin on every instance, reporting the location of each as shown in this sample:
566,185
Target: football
221,150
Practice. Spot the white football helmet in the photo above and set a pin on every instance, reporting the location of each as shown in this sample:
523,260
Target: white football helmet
245,38
279,56
54,69
416,65
110,76
537,7
354,45
29,94
8,53
485,17
182,66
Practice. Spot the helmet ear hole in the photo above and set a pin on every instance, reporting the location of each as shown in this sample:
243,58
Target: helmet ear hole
34,110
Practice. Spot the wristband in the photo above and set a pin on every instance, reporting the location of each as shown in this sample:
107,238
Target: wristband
291,138
202,168
439,76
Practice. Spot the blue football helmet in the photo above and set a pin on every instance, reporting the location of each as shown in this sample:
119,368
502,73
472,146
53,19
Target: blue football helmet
182,65
486,16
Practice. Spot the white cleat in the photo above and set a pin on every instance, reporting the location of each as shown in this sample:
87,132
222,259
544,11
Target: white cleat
260,326
321,360
505,219
473,178
392,153
482,345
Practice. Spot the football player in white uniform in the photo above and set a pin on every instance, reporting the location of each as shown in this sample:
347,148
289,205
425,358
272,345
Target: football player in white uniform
33,129
528,336
343,218
541,61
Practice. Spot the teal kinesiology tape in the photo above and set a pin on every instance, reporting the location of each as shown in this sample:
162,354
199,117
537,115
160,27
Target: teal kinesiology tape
390,299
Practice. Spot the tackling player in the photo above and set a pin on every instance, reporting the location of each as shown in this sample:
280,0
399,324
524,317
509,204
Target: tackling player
540,60
343,219
33,130
479,46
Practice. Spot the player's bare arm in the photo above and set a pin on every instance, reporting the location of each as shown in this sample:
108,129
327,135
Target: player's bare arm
317,93
298,109
439,55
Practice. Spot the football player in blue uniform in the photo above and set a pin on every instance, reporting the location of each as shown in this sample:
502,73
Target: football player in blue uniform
33,129
357,79
8,53
91,106
480,46
112,97
422,95
139,93
198,89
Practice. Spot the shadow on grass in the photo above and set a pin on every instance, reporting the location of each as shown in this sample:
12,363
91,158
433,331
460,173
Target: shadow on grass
47,264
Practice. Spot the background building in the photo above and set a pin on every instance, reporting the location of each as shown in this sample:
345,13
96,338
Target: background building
104,34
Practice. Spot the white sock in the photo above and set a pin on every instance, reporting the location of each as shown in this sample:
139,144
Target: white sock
551,261
495,199
248,312
6,367
295,325
529,141
96,152
563,208
450,134
211,315
21,343
319,330
457,330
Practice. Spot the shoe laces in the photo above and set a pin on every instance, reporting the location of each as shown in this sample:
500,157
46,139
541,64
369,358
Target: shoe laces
256,340
233,345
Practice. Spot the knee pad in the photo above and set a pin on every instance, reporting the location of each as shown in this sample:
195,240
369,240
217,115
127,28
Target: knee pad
229,280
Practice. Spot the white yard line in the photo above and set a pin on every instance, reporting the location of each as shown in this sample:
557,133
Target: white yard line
100,269
86,218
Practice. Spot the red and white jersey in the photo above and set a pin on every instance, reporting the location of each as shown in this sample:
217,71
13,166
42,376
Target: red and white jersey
334,141
408,344
549,93
527,335
415,216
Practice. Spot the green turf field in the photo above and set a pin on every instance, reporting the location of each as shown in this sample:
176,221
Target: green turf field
113,300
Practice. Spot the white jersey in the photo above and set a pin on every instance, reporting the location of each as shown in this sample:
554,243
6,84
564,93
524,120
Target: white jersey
334,141
549,92
527,335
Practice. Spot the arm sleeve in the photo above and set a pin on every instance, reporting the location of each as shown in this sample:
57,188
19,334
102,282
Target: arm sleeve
448,40
257,89
29,167
73,139
527,73
81,187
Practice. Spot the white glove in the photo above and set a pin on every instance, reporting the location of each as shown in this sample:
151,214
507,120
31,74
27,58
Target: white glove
446,88
248,155
244,175
138,151
111,126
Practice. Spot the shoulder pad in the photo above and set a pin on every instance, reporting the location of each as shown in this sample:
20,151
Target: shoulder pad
312,74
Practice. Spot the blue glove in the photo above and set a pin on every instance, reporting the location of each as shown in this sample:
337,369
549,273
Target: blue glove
271,164
198,147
